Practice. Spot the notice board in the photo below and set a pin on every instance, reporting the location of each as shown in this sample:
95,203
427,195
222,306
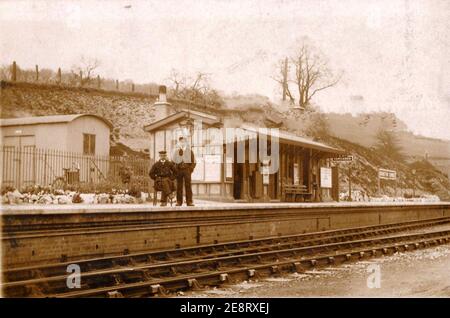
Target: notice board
325,177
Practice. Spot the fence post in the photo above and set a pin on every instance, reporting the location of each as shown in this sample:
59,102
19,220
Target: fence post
14,72
37,73
45,168
132,87
59,75
117,85
98,82
81,78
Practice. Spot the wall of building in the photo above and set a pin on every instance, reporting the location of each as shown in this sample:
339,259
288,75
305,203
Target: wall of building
88,125
21,164
208,176
46,136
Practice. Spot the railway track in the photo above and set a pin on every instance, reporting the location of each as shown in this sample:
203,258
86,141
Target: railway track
146,274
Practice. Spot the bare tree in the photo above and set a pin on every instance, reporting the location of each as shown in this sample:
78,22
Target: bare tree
387,143
177,82
5,72
319,126
46,75
84,72
196,89
281,78
308,72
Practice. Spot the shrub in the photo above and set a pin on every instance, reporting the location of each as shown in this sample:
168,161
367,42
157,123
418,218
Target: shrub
77,198
134,192
6,189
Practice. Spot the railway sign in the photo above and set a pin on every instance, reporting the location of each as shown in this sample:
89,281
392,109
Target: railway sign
343,159
387,174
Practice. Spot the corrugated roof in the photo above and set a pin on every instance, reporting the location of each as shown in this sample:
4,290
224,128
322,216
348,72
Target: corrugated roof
4,122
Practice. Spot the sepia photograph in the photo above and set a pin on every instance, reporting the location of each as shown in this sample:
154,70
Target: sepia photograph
223,154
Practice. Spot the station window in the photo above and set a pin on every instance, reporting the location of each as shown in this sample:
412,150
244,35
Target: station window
88,144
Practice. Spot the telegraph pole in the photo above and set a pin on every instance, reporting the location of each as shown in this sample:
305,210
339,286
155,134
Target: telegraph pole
285,71
14,72
379,182
350,183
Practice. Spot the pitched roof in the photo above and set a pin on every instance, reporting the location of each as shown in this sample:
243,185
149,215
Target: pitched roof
4,122
206,118
286,137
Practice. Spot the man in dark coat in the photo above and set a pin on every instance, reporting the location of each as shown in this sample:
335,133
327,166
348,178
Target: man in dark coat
185,163
163,172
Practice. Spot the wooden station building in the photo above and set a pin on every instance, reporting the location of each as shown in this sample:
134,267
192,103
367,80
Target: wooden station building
304,172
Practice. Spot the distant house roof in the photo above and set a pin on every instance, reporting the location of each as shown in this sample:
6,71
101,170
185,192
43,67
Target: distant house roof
206,118
53,119
272,119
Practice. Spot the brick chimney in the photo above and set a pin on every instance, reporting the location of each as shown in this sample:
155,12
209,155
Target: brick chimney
161,108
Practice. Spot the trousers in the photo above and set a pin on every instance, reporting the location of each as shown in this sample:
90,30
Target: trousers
184,177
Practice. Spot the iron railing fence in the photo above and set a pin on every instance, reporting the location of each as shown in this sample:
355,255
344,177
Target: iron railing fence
30,166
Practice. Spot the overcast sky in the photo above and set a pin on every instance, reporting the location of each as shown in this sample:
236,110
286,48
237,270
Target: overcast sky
394,54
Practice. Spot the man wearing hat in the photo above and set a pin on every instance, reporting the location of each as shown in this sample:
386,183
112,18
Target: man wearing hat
163,172
185,163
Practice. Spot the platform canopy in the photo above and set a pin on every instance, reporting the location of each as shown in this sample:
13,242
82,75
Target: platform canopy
292,139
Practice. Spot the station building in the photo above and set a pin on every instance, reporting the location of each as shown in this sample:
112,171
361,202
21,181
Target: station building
303,169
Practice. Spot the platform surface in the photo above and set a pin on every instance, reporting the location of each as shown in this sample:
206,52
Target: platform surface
200,205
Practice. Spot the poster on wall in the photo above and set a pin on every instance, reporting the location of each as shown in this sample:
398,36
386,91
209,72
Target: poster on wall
265,171
265,179
325,177
199,172
229,168
296,176
213,167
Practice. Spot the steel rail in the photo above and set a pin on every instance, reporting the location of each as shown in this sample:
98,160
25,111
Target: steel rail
274,263
139,272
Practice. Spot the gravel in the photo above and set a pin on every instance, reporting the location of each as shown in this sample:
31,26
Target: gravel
421,273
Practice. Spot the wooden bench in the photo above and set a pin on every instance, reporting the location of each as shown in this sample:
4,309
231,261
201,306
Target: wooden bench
170,197
295,193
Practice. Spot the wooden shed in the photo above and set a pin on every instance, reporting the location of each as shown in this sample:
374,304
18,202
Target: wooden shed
36,150
81,133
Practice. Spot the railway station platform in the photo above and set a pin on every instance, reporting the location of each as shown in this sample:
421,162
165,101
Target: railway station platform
35,234
200,205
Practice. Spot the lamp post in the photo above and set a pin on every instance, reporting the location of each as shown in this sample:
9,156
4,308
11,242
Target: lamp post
350,171
414,182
